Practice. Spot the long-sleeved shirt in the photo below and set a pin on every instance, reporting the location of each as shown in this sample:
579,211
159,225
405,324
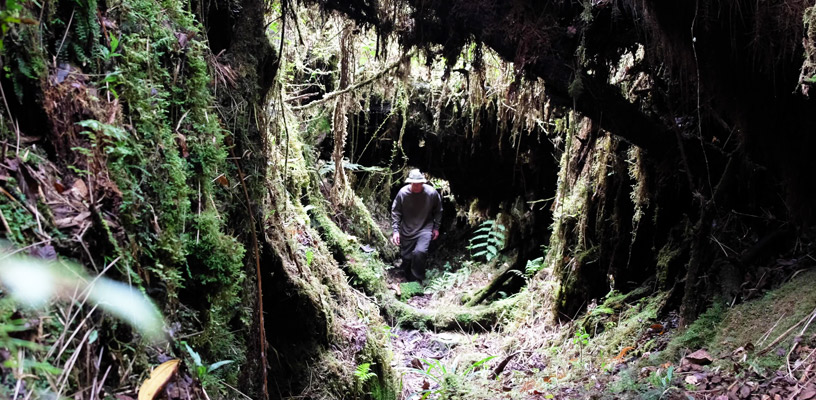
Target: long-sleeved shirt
412,212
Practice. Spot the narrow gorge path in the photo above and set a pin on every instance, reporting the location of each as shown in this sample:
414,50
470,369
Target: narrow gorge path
439,362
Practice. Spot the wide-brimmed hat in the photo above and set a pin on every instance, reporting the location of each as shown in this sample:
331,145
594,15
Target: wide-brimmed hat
415,177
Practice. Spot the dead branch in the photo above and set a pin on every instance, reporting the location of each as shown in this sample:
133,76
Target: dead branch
332,95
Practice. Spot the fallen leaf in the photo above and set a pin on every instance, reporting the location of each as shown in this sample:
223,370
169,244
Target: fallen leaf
58,186
425,385
744,392
623,352
700,357
807,394
656,327
692,380
80,189
76,220
181,140
158,378
27,183
222,180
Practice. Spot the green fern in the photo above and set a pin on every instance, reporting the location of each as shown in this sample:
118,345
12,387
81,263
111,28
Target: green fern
446,279
363,373
534,266
488,240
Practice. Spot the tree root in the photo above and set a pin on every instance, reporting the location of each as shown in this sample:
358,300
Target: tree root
368,276
494,285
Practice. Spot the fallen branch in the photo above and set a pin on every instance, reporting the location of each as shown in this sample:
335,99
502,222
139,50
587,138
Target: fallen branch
332,95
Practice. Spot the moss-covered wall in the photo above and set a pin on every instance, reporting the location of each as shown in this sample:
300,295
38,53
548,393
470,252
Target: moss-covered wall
127,149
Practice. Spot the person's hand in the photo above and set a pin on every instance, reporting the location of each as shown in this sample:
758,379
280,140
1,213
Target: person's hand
435,234
395,238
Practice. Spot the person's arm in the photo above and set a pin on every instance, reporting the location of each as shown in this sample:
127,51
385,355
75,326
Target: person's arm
396,218
437,216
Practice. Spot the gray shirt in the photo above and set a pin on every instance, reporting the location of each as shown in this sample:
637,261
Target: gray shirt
412,213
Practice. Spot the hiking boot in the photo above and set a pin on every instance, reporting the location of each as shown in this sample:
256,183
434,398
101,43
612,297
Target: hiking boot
415,275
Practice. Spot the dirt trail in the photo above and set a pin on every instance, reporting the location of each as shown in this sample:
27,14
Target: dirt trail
435,353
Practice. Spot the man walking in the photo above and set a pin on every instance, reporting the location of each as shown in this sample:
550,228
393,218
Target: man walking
415,216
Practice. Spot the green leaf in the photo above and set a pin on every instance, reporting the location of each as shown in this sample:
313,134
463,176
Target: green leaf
114,43
477,364
309,257
219,364
492,250
93,336
195,356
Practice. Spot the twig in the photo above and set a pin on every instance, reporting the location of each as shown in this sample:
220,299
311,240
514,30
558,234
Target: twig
257,253
805,359
329,96
70,338
798,389
11,118
767,334
87,292
784,334
236,390
67,29
69,365
796,342
5,224
79,238
20,357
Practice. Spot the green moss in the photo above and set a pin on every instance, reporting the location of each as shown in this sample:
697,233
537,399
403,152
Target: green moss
612,332
667,255
19,220
700,333
410,289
